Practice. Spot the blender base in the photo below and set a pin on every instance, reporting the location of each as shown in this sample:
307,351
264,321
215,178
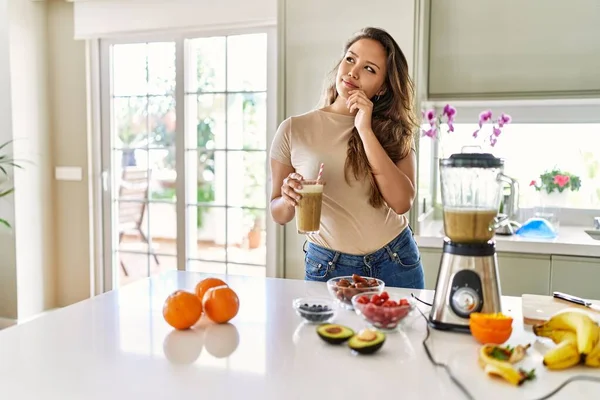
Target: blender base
442,326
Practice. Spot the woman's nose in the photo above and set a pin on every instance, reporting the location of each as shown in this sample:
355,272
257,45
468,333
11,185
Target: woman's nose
353,73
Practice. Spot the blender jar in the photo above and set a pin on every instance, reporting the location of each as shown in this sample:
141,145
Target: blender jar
471,185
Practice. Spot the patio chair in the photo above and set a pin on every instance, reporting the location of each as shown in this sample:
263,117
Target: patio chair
134,190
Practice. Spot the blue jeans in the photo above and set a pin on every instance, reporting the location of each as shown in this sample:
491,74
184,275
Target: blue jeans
398,263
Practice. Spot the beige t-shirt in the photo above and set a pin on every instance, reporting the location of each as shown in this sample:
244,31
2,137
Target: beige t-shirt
349,224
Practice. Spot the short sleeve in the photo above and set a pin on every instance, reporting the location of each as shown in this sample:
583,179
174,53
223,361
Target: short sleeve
281,149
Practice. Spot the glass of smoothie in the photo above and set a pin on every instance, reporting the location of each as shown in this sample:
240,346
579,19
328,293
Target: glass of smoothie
308,209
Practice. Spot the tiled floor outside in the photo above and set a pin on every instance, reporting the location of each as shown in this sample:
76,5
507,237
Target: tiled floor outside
137,263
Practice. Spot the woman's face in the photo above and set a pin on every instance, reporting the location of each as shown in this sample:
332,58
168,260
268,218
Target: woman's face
362,68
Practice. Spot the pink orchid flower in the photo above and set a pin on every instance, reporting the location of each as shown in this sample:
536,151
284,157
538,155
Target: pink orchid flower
484,116
430,133
430,116
533,183
450,126
561,180
449,112
504,119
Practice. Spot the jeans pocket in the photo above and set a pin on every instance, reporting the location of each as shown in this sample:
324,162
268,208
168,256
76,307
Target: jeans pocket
407,254
314,268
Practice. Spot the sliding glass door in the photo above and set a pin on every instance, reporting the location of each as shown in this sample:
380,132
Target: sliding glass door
186,123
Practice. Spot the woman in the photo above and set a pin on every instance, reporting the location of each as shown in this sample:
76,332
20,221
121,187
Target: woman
364,136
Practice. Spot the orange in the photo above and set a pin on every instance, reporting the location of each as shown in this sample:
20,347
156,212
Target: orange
182,309
221,304
490,328
205,284
495,320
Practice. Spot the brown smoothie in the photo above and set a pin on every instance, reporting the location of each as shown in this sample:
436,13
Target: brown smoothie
468,225
308,210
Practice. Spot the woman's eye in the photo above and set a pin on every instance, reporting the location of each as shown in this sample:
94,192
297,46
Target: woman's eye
370,69
349,59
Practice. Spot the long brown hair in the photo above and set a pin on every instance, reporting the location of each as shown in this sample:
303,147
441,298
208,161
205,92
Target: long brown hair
394,120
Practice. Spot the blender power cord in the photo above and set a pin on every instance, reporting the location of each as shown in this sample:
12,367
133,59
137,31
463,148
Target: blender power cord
461,386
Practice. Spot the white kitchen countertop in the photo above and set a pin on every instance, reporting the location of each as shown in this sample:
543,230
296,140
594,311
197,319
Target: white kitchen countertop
117,346
571,241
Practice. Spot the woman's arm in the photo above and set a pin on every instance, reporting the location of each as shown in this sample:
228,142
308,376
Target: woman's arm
395,181
282,204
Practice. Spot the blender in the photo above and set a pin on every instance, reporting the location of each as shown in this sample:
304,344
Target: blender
468,280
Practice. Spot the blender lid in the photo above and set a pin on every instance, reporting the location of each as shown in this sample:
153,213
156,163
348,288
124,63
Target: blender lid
472,160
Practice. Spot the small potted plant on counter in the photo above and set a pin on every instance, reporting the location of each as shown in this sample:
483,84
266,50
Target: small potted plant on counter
554,186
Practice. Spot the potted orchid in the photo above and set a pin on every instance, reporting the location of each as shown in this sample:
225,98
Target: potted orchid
554,186
433,127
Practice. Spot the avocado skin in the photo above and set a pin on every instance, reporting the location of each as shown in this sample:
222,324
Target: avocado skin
363,347
339,338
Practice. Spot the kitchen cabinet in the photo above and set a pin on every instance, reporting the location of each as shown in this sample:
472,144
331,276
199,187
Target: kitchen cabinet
430,258
579,276
519,273
524,273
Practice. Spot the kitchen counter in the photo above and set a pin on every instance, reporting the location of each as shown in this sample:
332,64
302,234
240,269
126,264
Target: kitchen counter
117,346
571,241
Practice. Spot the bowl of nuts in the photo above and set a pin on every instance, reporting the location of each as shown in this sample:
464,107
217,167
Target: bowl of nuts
343,288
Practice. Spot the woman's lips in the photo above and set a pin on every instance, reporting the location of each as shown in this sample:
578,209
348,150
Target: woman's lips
349,85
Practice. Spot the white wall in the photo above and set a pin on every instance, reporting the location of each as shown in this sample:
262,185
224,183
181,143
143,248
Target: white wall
68,87
31,132
102,18
315,32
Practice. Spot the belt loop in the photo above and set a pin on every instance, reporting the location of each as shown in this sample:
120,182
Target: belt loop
391,253
336,255
304,246
331,264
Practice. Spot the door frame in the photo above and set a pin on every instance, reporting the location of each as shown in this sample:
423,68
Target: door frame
99,95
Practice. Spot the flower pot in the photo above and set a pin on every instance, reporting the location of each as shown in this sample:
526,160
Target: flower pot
254,239
554,199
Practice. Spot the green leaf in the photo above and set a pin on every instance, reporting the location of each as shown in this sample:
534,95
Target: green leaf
5,144
7,192
5,223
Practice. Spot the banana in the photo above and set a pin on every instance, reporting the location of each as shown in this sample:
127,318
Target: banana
518,353
564,355
507,372
593,359
576,321
503,368
557,335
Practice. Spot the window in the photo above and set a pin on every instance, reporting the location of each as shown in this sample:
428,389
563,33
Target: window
226,98
186,123
543,134
531,149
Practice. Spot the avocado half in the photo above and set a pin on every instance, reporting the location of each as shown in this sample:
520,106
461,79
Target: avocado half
368,341
334,333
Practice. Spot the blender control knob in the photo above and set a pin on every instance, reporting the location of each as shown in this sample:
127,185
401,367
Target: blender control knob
465,301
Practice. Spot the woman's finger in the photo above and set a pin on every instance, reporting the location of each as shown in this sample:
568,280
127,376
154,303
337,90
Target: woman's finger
290,197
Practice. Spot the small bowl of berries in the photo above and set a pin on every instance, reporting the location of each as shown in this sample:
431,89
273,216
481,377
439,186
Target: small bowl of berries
315,310
343,288
382,310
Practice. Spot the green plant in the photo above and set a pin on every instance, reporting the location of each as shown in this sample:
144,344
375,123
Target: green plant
6,160
556,180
